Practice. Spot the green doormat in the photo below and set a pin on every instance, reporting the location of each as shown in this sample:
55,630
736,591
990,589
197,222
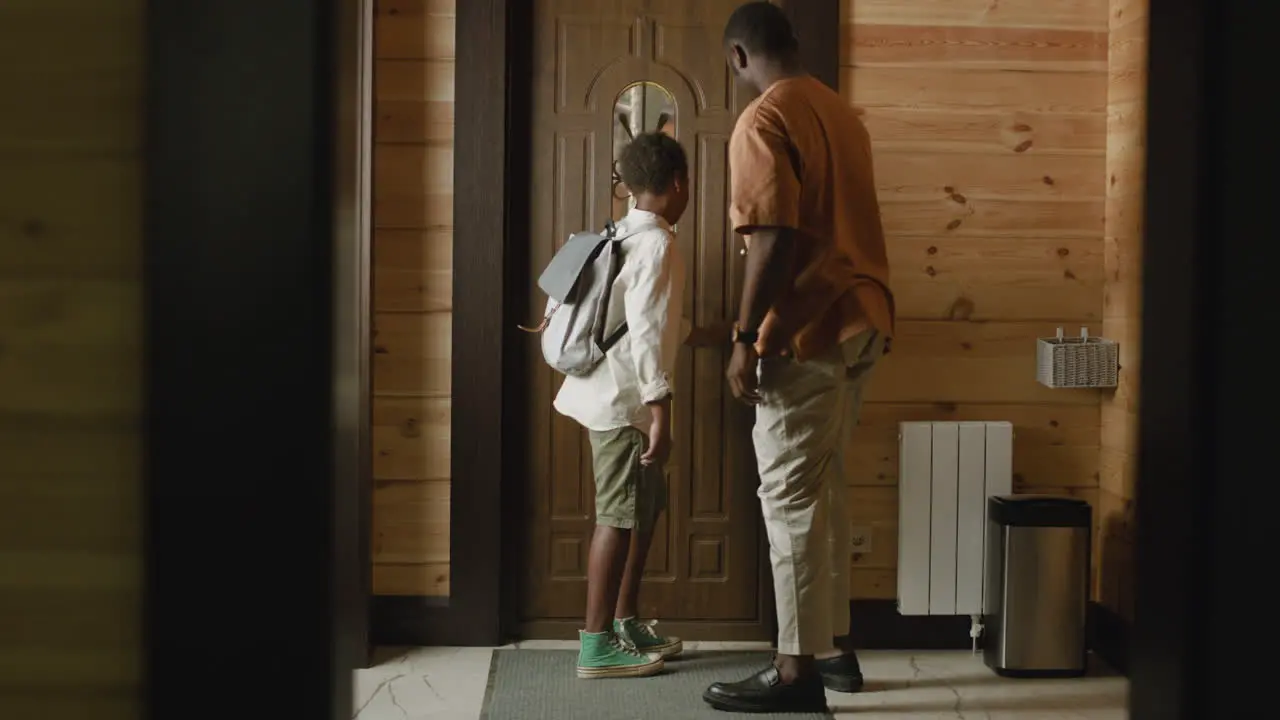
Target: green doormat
542,685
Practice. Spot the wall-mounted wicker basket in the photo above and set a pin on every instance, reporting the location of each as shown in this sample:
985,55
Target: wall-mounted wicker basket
1077,362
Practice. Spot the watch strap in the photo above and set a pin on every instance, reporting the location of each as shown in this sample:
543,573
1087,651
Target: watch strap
746,337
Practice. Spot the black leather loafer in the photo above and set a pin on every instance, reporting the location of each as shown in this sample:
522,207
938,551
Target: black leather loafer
841,673
765,692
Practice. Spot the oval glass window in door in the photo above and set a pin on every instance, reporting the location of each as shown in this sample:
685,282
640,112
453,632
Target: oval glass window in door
641,107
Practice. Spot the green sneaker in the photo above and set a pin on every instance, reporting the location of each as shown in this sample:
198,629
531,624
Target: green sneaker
605,655
642,637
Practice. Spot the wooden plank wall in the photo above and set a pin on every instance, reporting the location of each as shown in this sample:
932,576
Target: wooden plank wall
70,359
989,125
412,294
1122,309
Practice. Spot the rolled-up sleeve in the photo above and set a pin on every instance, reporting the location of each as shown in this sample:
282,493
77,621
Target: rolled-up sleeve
653,304
765,186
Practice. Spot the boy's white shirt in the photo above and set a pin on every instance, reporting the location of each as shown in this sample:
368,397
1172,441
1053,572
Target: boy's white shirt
640,368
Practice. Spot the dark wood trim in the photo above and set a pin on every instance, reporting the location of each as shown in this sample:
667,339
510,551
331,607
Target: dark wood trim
240,483
877,625
1109,636
491,277
353,325
518,279
1205,507
481,318
1177,369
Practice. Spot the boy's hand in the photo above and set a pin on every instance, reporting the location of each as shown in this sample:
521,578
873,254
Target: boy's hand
659,435
659,445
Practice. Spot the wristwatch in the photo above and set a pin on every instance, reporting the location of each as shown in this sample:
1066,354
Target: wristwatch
746,337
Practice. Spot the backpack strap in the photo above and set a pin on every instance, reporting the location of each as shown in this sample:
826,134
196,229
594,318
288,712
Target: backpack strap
611,233
613,338
602,311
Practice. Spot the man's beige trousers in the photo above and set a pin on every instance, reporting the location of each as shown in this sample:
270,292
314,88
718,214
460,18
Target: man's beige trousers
807,411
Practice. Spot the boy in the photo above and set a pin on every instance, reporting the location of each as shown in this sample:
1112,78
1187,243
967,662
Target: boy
625,405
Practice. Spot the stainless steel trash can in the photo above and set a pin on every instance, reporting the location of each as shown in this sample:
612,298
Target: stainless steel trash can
1037,585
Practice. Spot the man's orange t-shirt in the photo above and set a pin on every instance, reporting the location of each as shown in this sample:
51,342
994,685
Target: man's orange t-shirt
800,158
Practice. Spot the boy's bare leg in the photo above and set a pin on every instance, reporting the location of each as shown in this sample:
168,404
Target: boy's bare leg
637,556
610,547
641,634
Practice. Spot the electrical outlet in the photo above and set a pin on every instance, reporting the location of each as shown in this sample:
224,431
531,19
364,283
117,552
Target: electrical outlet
861,539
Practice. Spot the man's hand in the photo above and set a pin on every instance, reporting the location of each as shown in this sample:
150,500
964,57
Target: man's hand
659,435
743,373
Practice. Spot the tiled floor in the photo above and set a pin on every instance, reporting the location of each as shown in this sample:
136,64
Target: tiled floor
449,684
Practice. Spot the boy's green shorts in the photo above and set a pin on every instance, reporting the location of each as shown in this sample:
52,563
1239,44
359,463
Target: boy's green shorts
628,494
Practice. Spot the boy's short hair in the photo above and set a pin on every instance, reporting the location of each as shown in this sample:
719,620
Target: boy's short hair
763,29
651,162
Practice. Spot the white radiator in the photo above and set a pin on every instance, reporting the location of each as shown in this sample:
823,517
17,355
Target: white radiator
946,472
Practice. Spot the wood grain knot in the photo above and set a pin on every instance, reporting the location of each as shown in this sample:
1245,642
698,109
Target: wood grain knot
1022,127
930,271
933,250
1022,146
1048,180
957,197
32,229
953,224
961,309
410,429
1063,252
1068,275
379,350
1053,423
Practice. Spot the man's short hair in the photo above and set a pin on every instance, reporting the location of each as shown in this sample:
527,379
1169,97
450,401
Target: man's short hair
651,162
762,29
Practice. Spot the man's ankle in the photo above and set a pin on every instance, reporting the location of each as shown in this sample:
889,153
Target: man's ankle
793,667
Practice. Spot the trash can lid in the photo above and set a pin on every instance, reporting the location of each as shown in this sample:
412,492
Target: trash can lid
1039,511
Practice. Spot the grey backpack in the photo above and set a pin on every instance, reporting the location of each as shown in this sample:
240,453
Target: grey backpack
578,282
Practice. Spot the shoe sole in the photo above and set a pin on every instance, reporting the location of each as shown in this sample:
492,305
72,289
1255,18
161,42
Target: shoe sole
622,671
669,651
842,684
727,705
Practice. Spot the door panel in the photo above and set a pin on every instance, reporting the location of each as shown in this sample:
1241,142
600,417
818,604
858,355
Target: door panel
705,566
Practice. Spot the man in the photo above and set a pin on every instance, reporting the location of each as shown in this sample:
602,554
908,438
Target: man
816,315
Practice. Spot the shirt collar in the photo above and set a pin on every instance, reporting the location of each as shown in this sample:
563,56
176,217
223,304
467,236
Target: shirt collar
638,218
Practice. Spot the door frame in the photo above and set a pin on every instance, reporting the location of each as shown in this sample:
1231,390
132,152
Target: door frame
1203,517
491,278
256,366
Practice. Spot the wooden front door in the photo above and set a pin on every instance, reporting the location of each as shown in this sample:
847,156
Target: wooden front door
604,69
